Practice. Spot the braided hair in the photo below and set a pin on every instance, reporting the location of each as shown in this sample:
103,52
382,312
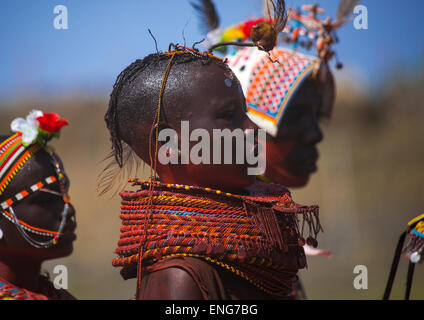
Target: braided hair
130,89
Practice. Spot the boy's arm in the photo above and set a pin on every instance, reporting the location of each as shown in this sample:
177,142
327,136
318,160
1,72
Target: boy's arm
169,284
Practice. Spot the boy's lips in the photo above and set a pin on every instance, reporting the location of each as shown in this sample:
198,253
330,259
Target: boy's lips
307,168
69,231
68,237
70,227
303,160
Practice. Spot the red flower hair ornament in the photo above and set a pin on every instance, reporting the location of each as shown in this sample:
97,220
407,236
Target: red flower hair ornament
38,127
51,123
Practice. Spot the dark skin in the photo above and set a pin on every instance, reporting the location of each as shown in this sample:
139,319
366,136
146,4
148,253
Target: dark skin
292,156
20,263
177,284
208,103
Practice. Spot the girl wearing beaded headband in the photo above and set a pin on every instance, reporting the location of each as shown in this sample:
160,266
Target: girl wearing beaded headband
202,231
36,216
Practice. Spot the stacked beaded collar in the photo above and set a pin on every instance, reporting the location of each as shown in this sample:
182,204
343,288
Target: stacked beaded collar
31,136
257,237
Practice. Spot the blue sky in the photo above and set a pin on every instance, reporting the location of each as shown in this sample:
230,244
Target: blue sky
104,36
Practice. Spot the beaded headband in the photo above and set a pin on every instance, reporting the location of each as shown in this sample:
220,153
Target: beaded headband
26,192
13,156
31,135
270,86
39,186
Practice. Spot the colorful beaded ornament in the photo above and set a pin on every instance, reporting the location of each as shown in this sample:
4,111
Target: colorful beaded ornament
13,156
269,86
414,247
411,243
9,291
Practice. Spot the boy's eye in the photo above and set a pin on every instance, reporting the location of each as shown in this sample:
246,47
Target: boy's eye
297,111
65,183
227,115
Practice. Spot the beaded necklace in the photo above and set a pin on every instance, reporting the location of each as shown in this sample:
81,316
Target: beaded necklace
257,237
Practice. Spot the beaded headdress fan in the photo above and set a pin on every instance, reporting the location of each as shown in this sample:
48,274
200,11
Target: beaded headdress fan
271,75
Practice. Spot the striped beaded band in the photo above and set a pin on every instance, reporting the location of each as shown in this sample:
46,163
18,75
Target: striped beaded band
20,196
288,202
13,156
26,192
29,228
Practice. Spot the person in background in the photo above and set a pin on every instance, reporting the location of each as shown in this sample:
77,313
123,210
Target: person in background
37,219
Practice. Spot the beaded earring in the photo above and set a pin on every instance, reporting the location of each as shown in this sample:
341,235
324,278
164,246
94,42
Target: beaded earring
1,231
170,152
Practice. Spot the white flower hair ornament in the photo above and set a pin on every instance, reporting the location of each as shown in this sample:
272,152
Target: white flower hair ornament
38,127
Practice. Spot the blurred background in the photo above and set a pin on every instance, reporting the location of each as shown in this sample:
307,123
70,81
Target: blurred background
370,181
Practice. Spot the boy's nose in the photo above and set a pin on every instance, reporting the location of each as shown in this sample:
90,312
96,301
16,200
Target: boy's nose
312,134
71,213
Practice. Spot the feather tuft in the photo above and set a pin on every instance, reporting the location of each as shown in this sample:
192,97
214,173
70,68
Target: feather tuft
207,13
112,178
346,8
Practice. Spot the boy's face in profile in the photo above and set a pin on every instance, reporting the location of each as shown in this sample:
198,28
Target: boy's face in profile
40,209
292,156
214,102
